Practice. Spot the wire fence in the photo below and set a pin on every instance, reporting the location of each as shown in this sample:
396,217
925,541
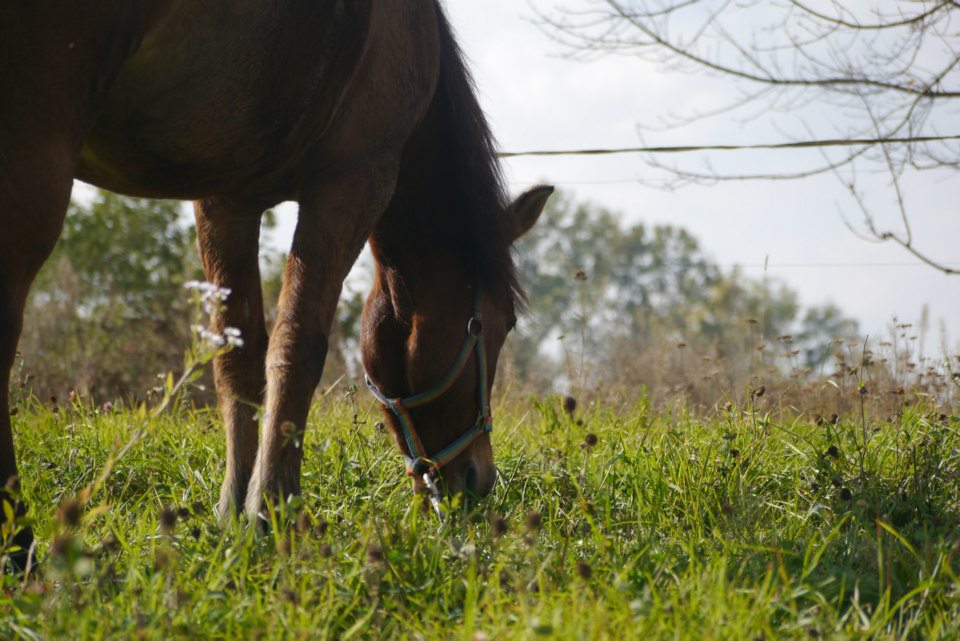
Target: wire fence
680,149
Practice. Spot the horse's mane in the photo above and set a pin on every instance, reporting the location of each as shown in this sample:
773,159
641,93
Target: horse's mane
470,174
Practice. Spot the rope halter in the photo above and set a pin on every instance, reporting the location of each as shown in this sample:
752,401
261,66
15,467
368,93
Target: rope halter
420,462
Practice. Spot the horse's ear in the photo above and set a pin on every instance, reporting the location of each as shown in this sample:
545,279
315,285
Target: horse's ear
523,213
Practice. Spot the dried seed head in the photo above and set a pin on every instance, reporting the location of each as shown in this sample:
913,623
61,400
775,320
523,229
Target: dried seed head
303,522
326,551
590,441
534,521
183,513
498,526
198,508
375,554
168,520
580,275
288,429
12,484
109,543
846,494
322,528
69,513
61,546
584,571
569,405
833,451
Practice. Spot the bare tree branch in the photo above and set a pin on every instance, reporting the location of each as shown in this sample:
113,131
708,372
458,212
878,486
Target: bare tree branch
886,73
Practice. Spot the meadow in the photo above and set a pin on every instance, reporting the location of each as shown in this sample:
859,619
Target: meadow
640,523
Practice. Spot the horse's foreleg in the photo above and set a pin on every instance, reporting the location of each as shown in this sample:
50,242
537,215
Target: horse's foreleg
35,189
229,238
336,216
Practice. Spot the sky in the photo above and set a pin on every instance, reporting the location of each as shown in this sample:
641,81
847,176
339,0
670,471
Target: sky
538,99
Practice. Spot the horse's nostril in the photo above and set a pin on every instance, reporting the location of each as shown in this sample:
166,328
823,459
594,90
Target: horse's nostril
470,479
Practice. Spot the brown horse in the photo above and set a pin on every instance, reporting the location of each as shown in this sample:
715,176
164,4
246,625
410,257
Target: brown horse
363,112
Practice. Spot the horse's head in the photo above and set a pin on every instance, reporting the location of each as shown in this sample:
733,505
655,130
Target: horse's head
430,344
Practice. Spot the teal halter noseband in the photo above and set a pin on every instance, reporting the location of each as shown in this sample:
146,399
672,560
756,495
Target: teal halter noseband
419,462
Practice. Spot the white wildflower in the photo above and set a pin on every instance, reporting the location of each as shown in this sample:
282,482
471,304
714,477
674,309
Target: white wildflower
232,334
212,296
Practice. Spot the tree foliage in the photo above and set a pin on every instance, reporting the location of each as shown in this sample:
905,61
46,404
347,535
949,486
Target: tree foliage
107,313
611,303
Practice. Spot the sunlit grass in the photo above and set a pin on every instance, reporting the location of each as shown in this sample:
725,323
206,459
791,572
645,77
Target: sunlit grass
669,526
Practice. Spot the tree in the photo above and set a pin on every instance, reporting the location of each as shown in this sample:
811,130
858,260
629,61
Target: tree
887,72
619,301
108,313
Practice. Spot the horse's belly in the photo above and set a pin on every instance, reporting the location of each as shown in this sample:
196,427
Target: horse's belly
223,94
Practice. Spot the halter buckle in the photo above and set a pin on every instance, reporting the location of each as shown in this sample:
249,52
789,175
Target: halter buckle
475,326
422,466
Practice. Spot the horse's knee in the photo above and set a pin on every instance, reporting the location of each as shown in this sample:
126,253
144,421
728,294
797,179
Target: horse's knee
297,354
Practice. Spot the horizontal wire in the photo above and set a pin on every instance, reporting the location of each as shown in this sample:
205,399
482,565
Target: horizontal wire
675,149
827,265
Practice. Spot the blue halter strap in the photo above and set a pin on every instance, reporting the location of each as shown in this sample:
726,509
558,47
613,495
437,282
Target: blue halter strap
420,462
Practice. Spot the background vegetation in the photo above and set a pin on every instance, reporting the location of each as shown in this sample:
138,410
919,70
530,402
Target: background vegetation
616,312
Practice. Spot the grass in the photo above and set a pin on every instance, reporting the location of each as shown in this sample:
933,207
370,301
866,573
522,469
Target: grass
672,526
